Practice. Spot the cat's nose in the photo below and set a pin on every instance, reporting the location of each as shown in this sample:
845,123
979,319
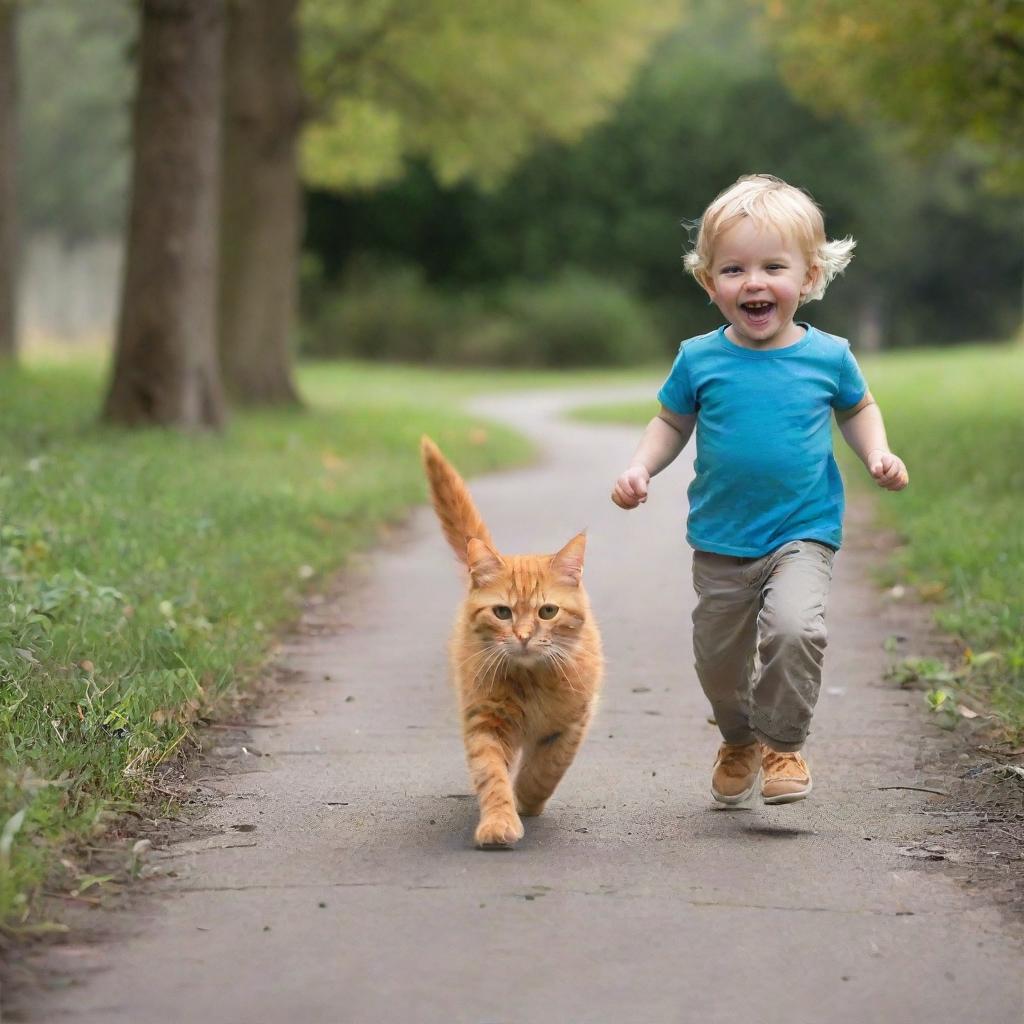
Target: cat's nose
524,640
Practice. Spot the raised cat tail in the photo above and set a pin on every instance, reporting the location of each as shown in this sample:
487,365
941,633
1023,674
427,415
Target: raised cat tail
452,502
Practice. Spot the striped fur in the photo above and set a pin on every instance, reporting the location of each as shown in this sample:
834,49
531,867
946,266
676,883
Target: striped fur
527,684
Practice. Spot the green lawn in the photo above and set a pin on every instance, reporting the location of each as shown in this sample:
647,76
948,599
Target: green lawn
143,575
956,416
957,419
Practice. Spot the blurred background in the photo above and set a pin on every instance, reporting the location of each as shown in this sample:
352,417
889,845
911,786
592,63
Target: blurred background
302,232
452,215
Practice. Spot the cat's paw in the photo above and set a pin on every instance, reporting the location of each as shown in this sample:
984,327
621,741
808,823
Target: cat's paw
499,831
530,810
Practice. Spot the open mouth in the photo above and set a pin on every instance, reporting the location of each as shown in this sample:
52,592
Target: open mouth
758,313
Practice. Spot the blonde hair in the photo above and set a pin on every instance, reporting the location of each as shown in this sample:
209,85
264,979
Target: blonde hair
770,202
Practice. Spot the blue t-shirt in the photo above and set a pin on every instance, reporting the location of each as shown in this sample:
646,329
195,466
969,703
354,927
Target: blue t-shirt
765,470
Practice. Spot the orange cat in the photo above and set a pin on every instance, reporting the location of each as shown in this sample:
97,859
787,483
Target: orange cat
526,655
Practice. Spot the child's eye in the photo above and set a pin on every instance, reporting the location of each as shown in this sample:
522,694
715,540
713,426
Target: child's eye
730,270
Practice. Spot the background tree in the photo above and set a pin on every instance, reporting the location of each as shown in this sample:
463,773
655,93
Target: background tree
470,87
260,200
165,369
8,191
942,69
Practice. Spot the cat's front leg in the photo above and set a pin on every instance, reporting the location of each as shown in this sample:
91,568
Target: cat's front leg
544,764
490,747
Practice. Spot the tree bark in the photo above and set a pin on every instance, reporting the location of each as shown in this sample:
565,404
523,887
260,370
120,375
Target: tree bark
871,321
8,187
166,370
261,217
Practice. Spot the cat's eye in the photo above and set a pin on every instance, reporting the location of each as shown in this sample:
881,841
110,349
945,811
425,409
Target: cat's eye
548,611
502,611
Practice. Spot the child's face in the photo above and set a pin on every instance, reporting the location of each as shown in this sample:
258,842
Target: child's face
757,278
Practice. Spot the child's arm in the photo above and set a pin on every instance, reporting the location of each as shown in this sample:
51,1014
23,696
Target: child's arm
665,437
863,430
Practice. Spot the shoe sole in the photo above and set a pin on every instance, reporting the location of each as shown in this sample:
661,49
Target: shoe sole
787,798
740,798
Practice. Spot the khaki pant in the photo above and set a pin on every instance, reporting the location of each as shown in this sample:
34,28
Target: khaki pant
759,640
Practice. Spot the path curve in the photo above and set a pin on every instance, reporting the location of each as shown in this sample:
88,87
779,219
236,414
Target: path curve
338,881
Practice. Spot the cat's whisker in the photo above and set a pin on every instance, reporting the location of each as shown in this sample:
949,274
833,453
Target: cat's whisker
484,649
562,662
491,667
484,667
494,670
570,664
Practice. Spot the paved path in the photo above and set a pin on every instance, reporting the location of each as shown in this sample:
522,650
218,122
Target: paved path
352,893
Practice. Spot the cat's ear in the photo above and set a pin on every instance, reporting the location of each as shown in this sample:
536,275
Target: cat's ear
485,564
567,565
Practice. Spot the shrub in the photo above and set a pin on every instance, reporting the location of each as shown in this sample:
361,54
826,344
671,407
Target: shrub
577,320
391,314
388,315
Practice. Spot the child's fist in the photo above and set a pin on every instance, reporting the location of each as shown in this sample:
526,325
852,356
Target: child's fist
888,470
631,487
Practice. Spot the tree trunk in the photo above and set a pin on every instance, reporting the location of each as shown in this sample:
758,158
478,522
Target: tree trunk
260,202
165,369
870,321
8,190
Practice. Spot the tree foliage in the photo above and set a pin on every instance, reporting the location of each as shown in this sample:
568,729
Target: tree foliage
469,86
941,68
708,107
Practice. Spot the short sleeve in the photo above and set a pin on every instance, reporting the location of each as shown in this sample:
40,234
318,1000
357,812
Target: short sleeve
852,386
677,391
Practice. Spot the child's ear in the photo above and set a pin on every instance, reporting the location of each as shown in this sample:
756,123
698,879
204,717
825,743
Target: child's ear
705,281
810,279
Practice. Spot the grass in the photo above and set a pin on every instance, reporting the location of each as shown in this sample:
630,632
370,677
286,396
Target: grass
955,417
321,381
144,574
627,413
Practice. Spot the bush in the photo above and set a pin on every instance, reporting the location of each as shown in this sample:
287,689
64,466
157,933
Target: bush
576,319
388,314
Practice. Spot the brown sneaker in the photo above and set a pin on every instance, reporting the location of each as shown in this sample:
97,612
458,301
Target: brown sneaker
736,773
786,776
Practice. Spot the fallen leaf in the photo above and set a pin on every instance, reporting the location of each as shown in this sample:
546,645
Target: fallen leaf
11,829
331,462
933,591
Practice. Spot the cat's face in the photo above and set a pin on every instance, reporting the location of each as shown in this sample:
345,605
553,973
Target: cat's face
527,609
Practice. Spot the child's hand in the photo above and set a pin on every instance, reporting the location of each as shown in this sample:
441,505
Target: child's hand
631,487
888,470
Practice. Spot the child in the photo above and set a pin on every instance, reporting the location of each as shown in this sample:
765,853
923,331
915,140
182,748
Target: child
766,504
